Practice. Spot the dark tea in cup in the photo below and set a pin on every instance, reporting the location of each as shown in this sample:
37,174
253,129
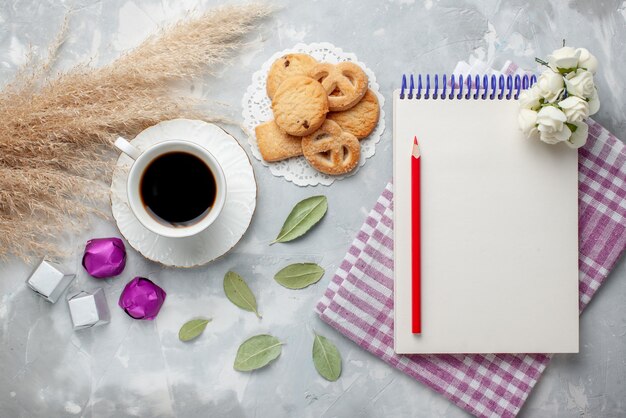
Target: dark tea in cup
175,188
178,189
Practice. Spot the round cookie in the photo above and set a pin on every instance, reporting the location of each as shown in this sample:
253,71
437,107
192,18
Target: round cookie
300,105
285,67
331,150
345,83
361,119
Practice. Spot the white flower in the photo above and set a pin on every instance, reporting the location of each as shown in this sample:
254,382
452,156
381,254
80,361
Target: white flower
550,85
580,83
551,125
529,98
587,61
563,97
565,59
594,103
527,120
575,108
579,136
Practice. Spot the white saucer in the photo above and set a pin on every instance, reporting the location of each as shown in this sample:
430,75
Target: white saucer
229,227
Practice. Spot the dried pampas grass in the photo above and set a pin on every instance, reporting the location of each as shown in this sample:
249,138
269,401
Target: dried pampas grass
56,132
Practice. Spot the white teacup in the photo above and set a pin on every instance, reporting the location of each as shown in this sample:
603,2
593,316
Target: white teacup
143,159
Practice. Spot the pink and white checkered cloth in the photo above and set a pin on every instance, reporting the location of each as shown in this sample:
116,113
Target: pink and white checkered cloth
359,300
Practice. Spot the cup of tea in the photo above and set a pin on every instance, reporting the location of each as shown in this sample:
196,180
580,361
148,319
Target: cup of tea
175,188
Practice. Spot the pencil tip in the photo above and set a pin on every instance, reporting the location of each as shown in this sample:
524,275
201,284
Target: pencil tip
415,152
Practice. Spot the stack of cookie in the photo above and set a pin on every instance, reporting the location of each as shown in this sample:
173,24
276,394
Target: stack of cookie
321,110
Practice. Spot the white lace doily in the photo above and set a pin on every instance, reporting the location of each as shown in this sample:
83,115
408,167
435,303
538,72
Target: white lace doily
257,109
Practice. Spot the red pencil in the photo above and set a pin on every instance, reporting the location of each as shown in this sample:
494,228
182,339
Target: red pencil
416,305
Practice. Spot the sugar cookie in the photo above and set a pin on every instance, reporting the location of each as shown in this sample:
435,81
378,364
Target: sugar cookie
285,67
331,150
275,144
345,83
361,119
300,105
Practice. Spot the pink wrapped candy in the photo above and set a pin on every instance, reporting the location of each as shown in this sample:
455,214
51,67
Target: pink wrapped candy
142,299
104,257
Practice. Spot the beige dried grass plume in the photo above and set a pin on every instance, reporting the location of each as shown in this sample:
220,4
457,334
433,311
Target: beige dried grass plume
56,132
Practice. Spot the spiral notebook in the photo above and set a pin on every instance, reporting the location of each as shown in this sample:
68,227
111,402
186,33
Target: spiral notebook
499,222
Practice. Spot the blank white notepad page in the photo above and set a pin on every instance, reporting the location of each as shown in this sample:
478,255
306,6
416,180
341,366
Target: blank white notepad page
499,231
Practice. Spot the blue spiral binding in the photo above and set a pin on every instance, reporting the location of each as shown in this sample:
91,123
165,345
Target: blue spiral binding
419,87
485,83
477,84
445,86
452,84
493,88
500,87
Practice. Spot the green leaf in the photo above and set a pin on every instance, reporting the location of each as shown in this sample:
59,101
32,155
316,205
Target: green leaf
192,329
238,292
326,358
564,71
303,216
257,352
571,126
299,275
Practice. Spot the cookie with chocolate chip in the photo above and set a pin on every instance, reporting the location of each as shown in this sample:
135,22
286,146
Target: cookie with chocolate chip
300,105
287,66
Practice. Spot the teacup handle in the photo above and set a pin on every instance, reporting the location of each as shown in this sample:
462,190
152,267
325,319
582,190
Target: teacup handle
128,149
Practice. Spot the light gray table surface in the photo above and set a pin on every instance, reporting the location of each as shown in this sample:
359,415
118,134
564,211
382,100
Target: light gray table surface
139,368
